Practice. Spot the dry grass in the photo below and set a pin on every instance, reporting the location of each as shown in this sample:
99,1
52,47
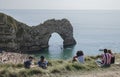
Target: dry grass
56,68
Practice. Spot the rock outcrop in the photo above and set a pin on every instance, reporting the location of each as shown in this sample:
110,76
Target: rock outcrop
15,35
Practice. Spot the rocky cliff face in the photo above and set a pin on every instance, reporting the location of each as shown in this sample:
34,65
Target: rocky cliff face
15,35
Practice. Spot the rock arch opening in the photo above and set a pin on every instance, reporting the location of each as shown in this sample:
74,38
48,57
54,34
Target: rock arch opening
55,40
55,44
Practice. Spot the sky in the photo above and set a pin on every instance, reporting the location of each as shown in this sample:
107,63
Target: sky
61,4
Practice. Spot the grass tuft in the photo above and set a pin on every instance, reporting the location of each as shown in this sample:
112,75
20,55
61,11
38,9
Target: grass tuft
34,71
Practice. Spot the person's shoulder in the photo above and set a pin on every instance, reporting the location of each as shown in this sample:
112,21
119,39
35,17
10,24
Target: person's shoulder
39,61
110,55
102,54
80,56
46,61
26,61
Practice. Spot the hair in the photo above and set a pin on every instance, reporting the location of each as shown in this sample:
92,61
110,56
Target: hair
105,51
42,58
79,53
30,57
109,51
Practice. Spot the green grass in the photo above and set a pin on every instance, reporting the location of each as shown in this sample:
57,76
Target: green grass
54,66
11,65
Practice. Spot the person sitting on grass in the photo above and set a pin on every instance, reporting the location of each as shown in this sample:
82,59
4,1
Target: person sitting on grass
28,63
112,57
79,57
42,63
105,59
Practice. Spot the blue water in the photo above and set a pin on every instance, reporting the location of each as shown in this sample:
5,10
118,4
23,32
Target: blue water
93,30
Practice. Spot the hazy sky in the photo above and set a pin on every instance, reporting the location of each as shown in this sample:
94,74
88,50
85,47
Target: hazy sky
60,4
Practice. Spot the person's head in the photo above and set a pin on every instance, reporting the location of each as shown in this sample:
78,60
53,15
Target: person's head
79,53
42,58
109,51
105,51
30,58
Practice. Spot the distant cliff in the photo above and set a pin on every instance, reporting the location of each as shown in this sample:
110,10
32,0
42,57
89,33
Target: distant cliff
15,35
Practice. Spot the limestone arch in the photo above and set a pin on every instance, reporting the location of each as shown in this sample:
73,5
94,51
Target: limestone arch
62,27
37,37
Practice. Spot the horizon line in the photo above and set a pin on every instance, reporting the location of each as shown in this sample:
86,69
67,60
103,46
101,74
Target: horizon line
64,9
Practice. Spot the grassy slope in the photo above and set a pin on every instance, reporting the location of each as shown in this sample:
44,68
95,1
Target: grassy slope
56,68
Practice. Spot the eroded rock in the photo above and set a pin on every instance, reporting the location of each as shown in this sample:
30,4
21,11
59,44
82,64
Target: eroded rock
15,35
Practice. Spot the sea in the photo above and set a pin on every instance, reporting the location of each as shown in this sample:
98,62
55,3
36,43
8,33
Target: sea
92,29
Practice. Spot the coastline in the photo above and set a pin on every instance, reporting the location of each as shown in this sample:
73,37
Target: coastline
61,68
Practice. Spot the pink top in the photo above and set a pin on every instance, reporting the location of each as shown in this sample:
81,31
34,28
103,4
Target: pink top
106,58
